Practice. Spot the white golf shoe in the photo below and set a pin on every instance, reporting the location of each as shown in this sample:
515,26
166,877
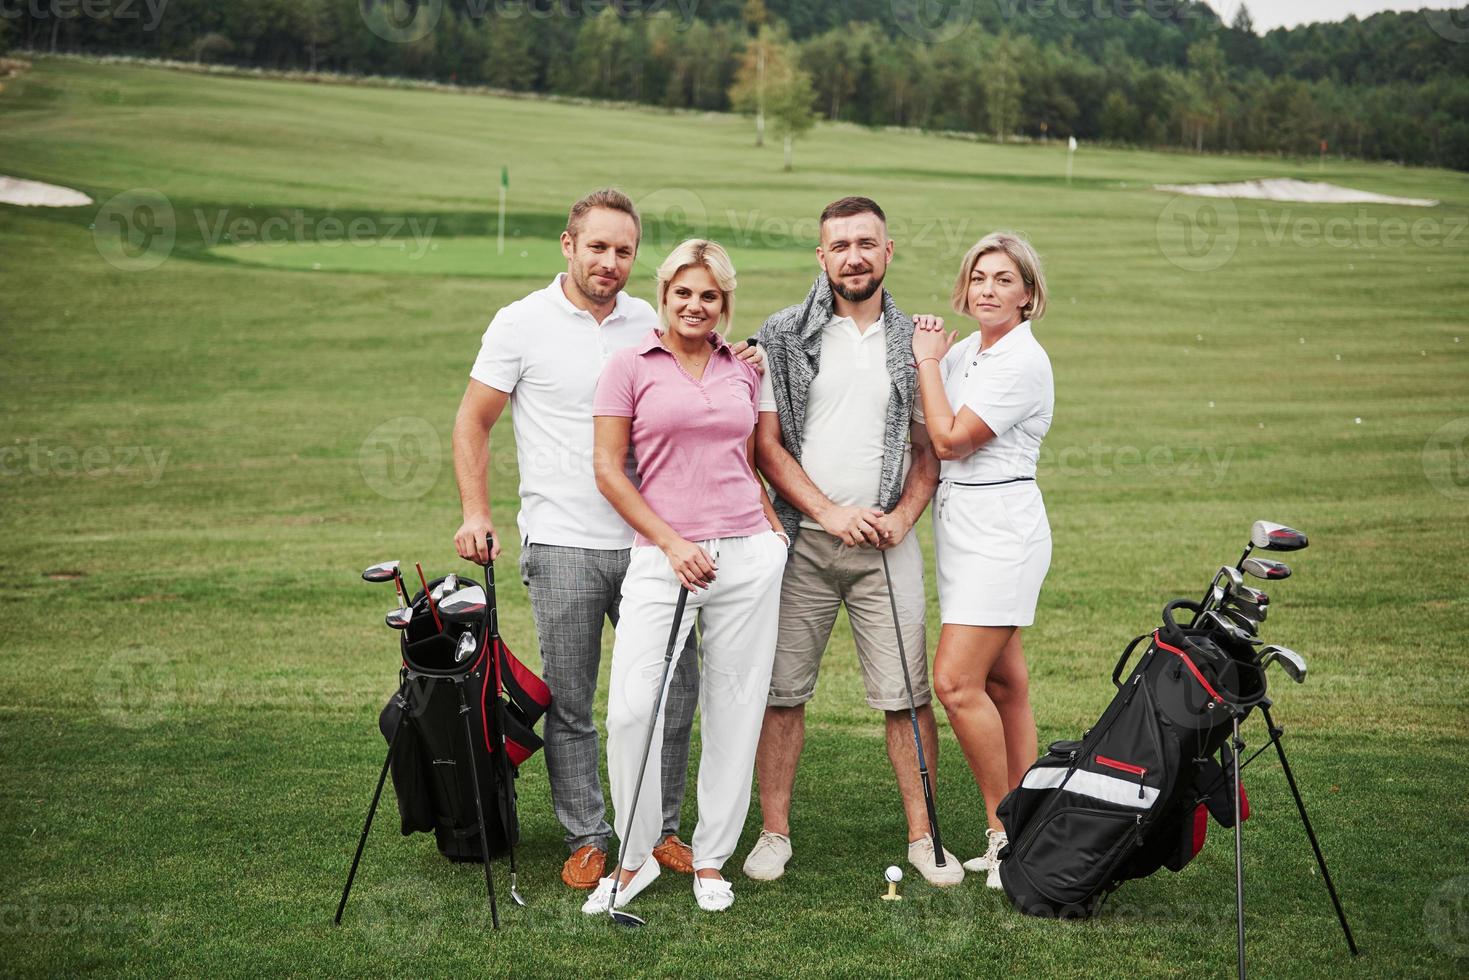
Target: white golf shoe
990,859
599,901
767,859
713,894
921,856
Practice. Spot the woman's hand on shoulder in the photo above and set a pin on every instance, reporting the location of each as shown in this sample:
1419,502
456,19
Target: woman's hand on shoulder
929,338
691,563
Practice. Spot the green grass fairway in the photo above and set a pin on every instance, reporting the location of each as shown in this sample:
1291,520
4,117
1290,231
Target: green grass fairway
207,438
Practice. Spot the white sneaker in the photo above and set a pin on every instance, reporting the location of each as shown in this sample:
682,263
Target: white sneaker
767,859
921,856
713,894
991,858
992,880
599,900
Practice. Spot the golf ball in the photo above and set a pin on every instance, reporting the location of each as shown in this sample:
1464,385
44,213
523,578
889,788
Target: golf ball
893,873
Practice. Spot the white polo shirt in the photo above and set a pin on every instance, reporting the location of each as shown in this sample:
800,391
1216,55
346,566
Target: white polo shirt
1011,387
547,355
846,414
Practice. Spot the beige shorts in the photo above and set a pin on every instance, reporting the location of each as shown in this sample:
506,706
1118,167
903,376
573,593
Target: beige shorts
821,575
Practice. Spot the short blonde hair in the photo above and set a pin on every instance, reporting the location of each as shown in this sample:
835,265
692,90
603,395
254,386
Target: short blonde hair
709,255
1026,260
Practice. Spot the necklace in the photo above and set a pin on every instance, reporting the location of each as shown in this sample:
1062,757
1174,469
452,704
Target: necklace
692,366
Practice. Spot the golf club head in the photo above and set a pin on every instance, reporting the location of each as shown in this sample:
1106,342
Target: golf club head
1291,662
399,619
1264,568
465,648
1252,596
1233,579
1226,625
1242,620
626,919
1245,607
1269,536
384,571
465,606
515,895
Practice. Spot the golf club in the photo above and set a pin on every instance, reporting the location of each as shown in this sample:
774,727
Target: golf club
1291,662
1241,620
385,571
933,817
617,915
493,647
465,606
1221,622
465,648
433,610
1254,610
1251,595
1268,536
399,619
1264,568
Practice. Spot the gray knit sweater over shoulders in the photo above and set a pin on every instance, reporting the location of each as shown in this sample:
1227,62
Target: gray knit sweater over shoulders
792,342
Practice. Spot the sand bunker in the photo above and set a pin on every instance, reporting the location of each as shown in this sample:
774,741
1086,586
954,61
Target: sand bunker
34,194
1286,189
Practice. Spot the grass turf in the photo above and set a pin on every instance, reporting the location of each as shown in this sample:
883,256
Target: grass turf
201,455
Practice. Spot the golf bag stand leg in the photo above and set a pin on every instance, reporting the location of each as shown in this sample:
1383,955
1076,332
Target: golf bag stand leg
382,777
1341,915
1236,747
479,807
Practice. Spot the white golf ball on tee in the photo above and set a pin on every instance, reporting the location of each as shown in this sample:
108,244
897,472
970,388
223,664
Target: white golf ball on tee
893,873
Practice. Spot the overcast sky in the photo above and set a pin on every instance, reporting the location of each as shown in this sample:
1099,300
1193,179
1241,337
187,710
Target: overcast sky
1288,13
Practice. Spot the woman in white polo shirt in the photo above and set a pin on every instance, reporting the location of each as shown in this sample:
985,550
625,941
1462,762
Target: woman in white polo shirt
987,403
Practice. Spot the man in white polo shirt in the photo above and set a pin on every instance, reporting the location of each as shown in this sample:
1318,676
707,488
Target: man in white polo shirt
542,355
841,441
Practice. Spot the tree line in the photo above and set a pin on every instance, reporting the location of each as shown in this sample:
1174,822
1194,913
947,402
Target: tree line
1162,73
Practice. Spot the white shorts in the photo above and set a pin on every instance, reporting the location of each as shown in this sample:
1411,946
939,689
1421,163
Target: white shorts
992,549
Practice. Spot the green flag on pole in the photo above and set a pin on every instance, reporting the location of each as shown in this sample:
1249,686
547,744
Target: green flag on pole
505,177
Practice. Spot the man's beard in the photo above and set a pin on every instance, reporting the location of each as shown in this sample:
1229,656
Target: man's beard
592,288
856,295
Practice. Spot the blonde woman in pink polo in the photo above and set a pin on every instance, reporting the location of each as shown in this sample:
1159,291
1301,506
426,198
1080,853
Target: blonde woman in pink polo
685,409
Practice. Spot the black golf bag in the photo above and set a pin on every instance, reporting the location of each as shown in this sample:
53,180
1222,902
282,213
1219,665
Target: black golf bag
1134,793
432,775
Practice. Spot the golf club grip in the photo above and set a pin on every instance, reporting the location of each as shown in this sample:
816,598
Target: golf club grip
933,817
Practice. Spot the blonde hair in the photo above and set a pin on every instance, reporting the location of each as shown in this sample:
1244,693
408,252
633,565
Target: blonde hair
1026,260
708,255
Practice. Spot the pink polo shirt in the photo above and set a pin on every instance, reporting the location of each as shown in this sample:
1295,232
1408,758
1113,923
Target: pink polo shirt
688,437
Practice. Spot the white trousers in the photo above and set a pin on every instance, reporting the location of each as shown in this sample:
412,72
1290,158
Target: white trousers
738,614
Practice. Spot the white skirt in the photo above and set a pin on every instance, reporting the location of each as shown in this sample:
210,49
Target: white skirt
992,549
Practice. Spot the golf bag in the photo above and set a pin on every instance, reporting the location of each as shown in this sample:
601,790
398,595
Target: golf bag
432,775
1134,793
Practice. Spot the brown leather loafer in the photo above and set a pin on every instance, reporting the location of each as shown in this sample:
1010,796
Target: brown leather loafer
584,867
675,855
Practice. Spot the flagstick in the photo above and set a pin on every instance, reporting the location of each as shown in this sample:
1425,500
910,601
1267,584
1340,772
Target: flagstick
500,240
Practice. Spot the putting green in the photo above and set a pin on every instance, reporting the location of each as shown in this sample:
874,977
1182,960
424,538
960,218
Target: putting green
428,255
